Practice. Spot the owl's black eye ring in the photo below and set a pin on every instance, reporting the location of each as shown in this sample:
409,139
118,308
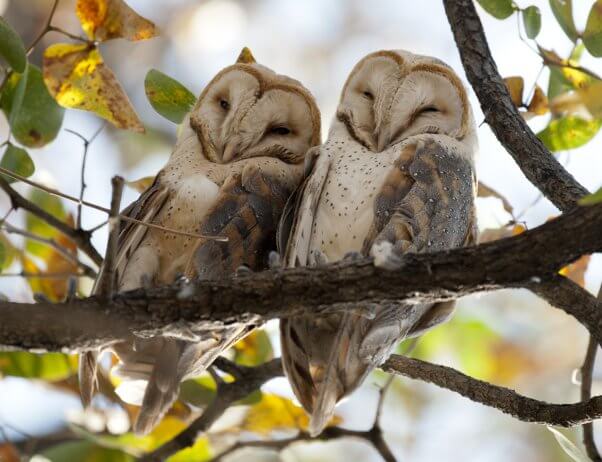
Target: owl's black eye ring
224,104
280,130
368,94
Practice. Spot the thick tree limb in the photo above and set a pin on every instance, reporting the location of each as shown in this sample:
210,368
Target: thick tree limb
529,260
503,399
79,236
537,163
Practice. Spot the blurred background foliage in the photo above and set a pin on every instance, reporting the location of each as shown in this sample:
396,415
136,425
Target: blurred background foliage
135,72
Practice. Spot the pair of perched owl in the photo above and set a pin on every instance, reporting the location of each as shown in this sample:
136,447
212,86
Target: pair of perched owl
396,175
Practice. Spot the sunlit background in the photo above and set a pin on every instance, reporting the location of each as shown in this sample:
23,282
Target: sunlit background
509,337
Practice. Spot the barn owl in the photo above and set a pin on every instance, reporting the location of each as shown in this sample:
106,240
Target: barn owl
396,175
237,159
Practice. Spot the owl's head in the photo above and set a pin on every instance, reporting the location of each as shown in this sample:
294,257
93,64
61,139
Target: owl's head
247,110
391,95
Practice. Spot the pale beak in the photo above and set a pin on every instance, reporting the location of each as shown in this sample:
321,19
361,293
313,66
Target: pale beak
231,149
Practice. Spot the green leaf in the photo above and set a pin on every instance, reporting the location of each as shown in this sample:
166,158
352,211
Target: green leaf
38,119
51,367
568,133
592,199
592,35
500,9
84,451
569,447
17,161
198,392
167,96
563,10
532,21
52,205
11,47
8,252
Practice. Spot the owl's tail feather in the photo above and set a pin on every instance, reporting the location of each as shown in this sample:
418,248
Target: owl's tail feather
88,382
177,361
162,388
321,361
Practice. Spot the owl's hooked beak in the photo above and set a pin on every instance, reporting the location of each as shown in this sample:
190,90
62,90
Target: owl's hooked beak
231,149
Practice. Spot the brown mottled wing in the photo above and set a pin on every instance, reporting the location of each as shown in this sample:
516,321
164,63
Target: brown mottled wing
145,208
436,211
246,211
432,208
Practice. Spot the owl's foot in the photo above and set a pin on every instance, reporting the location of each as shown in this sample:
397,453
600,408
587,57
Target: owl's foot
243,270
387,255
274,260
352,256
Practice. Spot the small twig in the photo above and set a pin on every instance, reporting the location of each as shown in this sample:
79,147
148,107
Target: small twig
88,271
228,393
105,210
373,436
46,28
80,237
587,371
503,399
87,143
108,281
28,275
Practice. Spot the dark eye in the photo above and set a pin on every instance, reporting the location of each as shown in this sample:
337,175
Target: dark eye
280,130
224,104
429,109
368,95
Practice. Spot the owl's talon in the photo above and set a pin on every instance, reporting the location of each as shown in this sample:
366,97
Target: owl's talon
243,270
274,260
352,256
386,256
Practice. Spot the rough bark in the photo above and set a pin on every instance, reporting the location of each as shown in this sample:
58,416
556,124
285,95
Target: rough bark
537,163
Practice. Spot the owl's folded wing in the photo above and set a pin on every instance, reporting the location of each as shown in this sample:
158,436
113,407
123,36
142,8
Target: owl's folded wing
145,209
246,212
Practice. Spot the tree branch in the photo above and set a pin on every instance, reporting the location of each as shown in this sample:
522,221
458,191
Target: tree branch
79,236
587,371
529,260
227,394
503,399
107,282
537,163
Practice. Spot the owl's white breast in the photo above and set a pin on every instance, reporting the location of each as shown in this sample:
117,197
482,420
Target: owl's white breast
346,208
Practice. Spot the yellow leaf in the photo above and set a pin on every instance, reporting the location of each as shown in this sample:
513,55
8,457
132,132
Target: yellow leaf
493,234
515,88
576,270
142,184
539,102
108,19
77,77
277,413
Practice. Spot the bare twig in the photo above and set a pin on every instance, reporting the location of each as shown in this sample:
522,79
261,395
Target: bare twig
48,27
503,399
28,275
107,281
80,237
87,142
227,394
88,271
586,393
55,192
